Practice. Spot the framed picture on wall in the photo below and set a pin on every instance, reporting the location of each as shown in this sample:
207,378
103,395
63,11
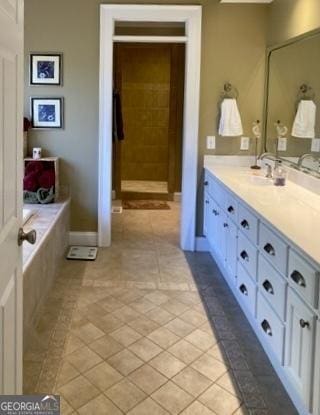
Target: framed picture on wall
47,112
46,69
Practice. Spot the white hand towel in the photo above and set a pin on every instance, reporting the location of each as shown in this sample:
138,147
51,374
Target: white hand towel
305,120
230,121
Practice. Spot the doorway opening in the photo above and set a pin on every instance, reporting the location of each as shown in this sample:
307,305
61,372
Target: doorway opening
149,90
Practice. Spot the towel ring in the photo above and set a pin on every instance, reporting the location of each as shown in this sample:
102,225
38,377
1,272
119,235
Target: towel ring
306,93
229,91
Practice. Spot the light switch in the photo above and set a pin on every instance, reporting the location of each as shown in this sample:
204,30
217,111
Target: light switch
315,145
211,142
282,144
245,143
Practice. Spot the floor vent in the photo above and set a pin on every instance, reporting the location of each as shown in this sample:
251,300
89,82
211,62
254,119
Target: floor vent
116,209
82,253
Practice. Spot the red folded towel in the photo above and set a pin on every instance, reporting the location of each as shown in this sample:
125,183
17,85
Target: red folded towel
47,179
30,182
34,167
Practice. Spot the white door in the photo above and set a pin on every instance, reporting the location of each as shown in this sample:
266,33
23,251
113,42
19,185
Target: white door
11,98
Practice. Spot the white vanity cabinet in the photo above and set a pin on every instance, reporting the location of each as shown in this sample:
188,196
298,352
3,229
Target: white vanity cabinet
276,285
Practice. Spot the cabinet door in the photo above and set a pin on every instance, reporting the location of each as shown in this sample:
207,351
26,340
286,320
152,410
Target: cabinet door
299,352
212,224
221,240
231,249
206,213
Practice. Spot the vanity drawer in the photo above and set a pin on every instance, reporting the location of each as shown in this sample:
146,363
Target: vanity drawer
274,248
304,278
207,181
247,291
247,255
231,206
272,285
248,223
271,327
218,193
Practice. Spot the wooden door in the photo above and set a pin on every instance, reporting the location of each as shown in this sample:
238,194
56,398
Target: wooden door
11,138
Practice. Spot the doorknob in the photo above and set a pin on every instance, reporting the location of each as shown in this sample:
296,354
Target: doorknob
30,237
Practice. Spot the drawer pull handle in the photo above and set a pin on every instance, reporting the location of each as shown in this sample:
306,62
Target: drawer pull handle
225,225
269,249
268,287
243,289
244,255
207,202
304,323
215,212
266,327
298,278
231,209
206,183
245,224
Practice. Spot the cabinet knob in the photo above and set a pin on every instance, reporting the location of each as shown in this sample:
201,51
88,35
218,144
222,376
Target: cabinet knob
225,225
215,212
243,289
304,323
244,255
206,183
245,224
298,278
266,327
207,202
269,249
268,287
230,209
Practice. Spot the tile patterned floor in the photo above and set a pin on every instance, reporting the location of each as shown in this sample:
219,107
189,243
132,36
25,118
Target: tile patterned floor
148,329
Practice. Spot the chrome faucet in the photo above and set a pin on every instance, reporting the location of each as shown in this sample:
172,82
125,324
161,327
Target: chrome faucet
307,156
269,171
272,156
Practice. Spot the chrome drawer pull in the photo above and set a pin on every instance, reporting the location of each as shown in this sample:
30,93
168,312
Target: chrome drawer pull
215,212
231,209
206,183
269,249
298,278
225,225
245,224
244,255
268,287
304,323
266,327
243,289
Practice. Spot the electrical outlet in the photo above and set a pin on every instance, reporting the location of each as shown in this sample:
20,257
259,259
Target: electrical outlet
315,145
282,144
211,142
245,143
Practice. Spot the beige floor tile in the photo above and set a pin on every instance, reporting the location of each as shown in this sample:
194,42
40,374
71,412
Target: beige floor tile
201,340
88,332
160,316
167,364
218,353
125,362
157,297
219,400
72,344
143,305
163,337
106,346
103,376
67,373
185,351
65,408
210,367
110,304
148,407
108,323
125,335
78,392
100,405
229,383
126,314
147,379
143,325
175,307
196,408
172,398
145,349
192,381
83,359
193,317
125,395
179,327
130,295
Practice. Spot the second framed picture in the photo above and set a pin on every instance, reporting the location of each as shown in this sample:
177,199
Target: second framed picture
47,112
46,69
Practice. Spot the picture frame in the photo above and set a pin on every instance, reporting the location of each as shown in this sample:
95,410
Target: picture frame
46,69
47,113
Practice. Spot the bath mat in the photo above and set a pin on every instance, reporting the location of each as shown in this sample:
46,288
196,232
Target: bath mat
145,204
82,253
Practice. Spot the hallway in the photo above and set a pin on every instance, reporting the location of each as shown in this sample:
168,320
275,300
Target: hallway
148,329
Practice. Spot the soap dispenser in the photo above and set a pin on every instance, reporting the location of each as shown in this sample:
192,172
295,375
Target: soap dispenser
279,175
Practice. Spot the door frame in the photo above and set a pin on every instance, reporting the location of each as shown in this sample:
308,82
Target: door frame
191,16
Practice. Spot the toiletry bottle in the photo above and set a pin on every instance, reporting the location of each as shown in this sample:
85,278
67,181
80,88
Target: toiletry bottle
279,175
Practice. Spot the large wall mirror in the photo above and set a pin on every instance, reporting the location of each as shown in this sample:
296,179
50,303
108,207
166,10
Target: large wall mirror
292,119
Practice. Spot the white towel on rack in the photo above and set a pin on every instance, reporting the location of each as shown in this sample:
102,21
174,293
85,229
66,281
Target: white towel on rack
230,121
305,120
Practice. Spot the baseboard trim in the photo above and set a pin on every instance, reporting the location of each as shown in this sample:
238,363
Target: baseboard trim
177,196
83,238
202,244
